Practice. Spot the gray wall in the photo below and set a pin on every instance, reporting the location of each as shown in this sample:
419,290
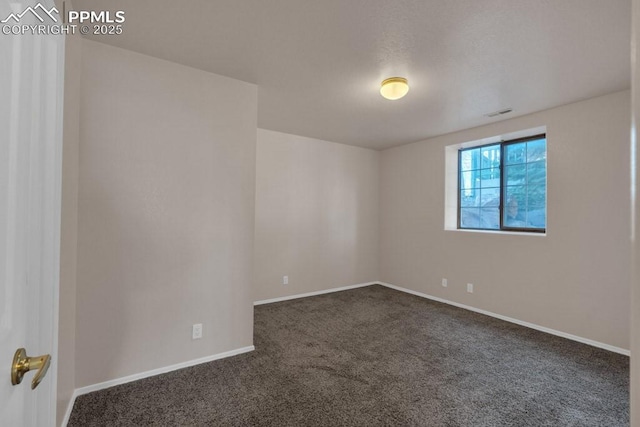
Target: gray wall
576,278
69,226
165,214
316,215
635,283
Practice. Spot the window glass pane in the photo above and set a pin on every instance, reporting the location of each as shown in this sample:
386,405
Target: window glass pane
516,174
468,179
490,218
515,153
469,218
536,195
469,199
513,216
536,173
490,177
514,200
490,156
519,214
536,217
490,197
470,159
537,150
515,192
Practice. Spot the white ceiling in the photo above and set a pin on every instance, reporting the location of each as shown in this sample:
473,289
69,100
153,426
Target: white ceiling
318,64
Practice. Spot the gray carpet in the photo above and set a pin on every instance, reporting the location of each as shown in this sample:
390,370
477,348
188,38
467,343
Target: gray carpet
377,357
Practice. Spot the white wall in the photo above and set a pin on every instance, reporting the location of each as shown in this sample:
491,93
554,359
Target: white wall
316,215
69,226
576,278
165,214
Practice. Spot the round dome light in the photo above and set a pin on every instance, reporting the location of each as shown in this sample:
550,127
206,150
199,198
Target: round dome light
394,88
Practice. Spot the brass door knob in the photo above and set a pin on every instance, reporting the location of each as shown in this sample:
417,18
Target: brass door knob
23,364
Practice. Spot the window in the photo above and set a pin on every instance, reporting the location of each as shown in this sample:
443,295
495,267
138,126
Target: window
503,186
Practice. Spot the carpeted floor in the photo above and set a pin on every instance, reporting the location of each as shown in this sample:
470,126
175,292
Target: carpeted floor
377,357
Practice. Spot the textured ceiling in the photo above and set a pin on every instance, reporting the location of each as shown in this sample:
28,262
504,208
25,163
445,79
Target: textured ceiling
318,65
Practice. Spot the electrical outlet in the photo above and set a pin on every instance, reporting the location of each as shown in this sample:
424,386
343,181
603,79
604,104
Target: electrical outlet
470,288
196,332
444,283
285,280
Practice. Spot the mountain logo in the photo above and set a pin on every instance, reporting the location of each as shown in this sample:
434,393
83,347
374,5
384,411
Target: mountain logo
34,11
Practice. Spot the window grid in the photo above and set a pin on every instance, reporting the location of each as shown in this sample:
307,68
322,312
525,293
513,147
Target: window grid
474,172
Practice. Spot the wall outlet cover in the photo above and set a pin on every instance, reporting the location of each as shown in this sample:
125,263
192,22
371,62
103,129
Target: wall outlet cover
196,331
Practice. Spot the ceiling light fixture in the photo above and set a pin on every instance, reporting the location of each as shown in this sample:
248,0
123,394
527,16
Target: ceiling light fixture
394,88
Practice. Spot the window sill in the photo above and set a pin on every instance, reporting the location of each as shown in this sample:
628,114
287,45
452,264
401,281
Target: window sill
512,233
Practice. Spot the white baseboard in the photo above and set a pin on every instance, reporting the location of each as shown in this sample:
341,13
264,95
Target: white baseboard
100,386
67,413
512,320
311,294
